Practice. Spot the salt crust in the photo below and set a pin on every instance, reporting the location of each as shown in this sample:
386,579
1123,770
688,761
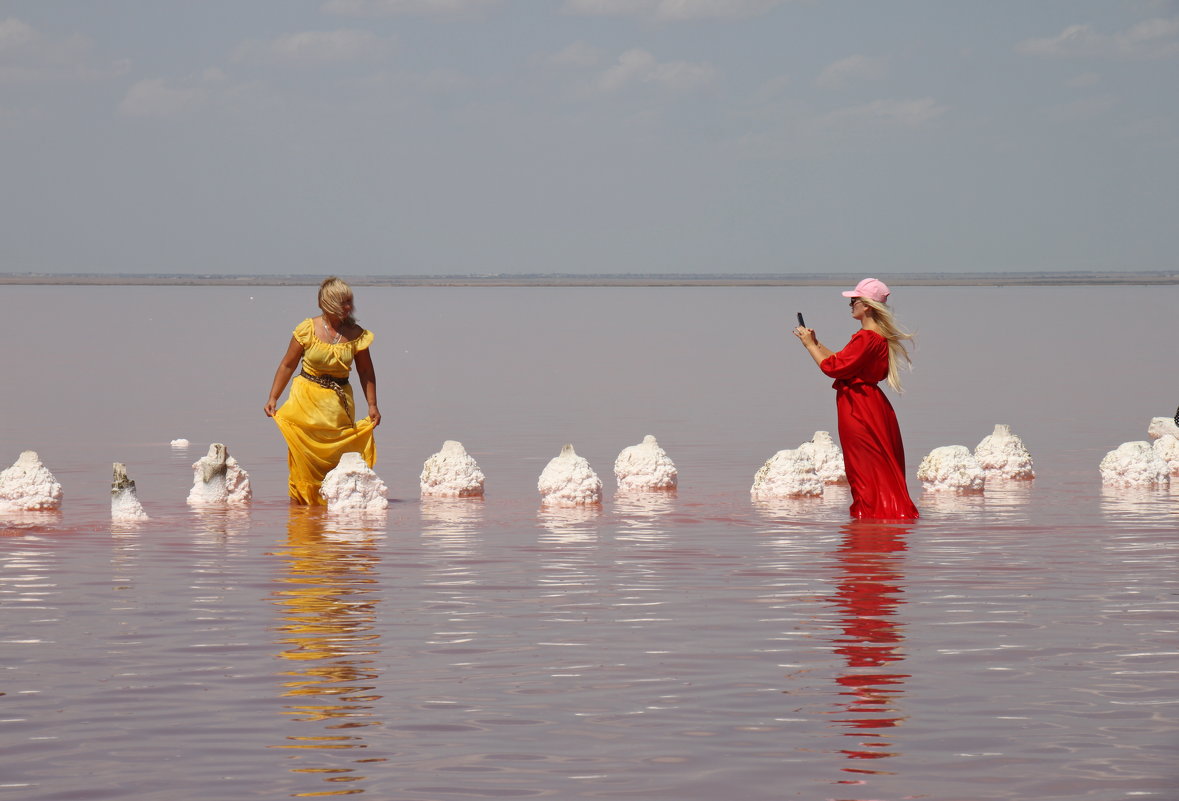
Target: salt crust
1134,464
218,480
1167,449
1002,454
125,506
951,468
28,486
352,486
568,480
1162,426
828,458
787,474
645,466
180,443
451,473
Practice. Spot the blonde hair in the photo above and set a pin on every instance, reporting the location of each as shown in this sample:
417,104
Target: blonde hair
332,294
888,327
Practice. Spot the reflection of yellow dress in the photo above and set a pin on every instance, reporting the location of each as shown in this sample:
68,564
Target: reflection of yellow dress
318,428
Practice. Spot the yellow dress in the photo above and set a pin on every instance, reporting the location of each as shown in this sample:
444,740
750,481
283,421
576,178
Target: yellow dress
318,428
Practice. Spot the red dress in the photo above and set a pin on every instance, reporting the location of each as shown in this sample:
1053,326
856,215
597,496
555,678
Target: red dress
873,454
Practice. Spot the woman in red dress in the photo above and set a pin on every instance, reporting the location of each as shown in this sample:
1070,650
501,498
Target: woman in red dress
873,454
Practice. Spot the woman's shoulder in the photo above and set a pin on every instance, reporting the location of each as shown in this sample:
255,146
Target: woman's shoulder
869,336
866,340
363,338
304,331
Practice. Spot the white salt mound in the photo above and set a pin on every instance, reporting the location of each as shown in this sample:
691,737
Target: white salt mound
237,484
827,456
1002,454
1134,464
451,473
1166,448
645,466
208,478
568,480
1161,427
951,468
787,474
125,504
352,486
218,480
28,486
180,443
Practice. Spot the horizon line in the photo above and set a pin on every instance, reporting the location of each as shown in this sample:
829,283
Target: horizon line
1026,278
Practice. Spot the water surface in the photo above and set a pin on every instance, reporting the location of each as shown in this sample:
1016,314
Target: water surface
1017,645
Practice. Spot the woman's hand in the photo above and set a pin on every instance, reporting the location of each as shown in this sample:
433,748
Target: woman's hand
374,414
282,376
806,335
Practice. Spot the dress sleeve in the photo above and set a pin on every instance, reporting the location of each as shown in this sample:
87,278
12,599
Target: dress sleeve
303,332
852,361
364,340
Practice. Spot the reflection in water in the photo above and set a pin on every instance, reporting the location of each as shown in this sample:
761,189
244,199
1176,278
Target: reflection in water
215,524
569,524
869,591
453,521
835,497
1002,498
949,502
641,514
354,526
22,522
789,508
328,634
1149,506
127,527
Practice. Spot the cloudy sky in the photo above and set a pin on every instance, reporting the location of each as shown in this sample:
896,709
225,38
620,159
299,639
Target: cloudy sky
588,136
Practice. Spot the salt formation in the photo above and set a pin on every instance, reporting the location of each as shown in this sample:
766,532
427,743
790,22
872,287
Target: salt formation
787,474
237,483
645,466
179,443
1161,427
125,504
951,468
218,480
1002,454
451,473
28,486
1134,464
568,480
352,486
827,456
1166,448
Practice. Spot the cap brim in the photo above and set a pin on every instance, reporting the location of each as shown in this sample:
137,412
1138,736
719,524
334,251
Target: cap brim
851,293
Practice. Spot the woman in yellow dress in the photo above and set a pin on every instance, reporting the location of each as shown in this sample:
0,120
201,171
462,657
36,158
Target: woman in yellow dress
318,420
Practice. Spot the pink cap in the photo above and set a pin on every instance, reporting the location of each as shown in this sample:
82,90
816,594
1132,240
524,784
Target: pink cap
870,288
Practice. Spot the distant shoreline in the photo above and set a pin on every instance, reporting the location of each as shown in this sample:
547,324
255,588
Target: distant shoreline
1160,278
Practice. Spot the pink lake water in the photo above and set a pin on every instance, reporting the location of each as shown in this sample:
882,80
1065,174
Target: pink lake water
1021,644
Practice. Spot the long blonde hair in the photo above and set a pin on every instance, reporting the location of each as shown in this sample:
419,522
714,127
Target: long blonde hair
332,293
888,328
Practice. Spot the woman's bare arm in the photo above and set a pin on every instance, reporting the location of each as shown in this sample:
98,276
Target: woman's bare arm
368,383
816,349
286,369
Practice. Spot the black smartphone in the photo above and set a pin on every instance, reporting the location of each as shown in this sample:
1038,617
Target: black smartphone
800,322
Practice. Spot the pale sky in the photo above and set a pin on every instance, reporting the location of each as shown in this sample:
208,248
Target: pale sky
588,136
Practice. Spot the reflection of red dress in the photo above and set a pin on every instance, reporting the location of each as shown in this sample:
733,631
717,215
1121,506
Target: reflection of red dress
873,453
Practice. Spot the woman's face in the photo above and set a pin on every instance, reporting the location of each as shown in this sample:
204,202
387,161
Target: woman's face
859,309
346,308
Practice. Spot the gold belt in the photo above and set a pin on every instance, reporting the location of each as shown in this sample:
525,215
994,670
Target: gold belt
328,382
